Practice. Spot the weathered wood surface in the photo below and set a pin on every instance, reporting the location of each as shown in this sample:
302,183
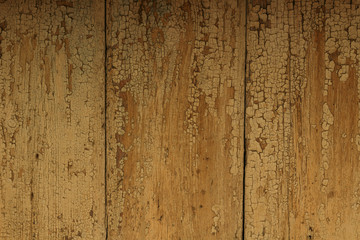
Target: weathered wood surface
174,124
175,119
51,120
302,120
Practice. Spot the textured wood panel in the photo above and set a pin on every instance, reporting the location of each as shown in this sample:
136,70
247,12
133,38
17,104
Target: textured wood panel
175,126
51,119
175,119
302,120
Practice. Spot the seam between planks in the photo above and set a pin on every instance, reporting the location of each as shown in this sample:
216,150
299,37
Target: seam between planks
244,133
105,116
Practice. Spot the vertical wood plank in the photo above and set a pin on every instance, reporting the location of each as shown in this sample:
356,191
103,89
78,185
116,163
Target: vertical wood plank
51,119
302,120
268,129
175,119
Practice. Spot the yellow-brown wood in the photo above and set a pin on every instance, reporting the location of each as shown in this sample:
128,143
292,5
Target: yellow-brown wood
175,93
51,120
175,119
302,120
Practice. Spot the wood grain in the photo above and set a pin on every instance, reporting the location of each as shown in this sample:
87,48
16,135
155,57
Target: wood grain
51,119
177,108
302,120
175,98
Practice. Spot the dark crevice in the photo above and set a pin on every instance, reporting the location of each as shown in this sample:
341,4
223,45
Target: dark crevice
105,117
244,133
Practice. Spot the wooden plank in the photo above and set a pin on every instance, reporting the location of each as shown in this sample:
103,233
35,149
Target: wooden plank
268,130
51,119
303,120
175,119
